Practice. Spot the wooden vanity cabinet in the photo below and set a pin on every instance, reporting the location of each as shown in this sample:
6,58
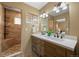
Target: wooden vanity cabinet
44,48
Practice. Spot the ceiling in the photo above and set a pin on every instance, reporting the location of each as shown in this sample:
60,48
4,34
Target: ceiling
37,5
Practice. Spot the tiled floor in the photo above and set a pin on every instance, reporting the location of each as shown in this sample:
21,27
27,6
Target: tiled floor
12,50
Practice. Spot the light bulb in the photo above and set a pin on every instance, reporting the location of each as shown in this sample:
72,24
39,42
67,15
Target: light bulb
64,8
55,8
46,15
57,11
62,5
41,15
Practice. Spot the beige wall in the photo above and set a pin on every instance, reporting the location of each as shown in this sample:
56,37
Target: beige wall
25,10
74,21
74,18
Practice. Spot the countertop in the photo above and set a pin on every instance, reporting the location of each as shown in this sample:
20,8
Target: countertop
68,43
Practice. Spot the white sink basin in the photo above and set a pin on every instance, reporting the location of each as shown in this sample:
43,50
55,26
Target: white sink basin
52,37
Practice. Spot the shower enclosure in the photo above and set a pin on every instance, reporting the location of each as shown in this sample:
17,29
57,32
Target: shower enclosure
11,42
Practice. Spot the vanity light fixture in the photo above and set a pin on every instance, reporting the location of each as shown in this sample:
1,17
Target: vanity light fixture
63,6
60,6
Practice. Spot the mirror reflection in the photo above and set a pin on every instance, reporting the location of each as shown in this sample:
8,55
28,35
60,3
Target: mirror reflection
59,18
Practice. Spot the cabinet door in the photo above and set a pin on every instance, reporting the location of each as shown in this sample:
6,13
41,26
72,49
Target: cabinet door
49,51
70,53
77,49
53,50
60,51
35,46
41,48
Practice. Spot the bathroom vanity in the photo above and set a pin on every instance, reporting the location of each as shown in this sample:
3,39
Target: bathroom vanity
45,46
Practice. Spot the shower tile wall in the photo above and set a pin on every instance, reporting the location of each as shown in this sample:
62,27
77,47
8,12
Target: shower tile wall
12,31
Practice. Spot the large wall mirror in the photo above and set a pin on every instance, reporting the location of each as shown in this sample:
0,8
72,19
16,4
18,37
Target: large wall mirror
59,18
